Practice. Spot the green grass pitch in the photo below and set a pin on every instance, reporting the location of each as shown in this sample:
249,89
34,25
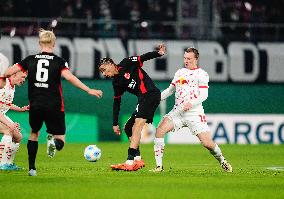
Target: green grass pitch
190,172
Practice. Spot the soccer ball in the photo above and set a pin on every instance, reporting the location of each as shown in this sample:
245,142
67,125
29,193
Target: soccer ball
92,153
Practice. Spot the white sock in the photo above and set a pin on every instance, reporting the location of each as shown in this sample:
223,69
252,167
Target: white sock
6,139
159,145
137,158
14,148
129,162
5,149
2,146
6,154
217,153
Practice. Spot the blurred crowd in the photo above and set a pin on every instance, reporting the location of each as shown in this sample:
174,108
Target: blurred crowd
254,19
97,17
141,18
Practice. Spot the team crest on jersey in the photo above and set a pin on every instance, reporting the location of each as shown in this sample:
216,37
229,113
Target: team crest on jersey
127,75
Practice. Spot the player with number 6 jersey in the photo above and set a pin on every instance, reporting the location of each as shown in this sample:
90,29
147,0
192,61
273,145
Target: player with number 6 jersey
44,89
45,70
190,85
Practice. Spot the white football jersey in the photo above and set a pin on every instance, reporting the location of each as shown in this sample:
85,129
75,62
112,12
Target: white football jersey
6,96
187,83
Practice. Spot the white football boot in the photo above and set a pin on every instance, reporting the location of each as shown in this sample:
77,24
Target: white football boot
51,149
226,166
32,172
158,169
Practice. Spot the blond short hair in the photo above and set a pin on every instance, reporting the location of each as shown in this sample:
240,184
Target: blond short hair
194,51
46,37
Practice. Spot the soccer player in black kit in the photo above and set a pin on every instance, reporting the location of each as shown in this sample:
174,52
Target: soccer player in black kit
45,70
129,76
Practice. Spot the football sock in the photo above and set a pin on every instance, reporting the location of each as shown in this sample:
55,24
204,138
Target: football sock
217,153
5,149
32,151
137,156
131,153
2,146
6,139
159,145
59,144
6,153
14,149
138,151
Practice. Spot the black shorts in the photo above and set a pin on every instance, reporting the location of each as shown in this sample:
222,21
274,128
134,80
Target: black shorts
147,105
54,121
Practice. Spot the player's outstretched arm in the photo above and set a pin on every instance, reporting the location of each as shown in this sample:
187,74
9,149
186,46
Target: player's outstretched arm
76,82
168,92
19,109
151,55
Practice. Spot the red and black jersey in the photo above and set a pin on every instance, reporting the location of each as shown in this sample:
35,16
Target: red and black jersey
44,80
132,78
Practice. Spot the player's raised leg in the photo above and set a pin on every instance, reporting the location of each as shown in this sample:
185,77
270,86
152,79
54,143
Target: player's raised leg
207,142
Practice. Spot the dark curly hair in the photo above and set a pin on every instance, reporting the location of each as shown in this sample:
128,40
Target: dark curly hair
106,60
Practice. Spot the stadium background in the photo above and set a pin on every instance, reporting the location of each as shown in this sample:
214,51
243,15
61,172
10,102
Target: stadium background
240,43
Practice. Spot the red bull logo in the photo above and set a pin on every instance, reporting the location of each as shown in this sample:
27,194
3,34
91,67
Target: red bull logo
181,81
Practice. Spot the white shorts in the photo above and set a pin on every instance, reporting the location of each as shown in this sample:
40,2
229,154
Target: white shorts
196,123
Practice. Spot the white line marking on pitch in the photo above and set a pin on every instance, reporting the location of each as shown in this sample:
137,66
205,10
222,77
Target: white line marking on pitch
276,168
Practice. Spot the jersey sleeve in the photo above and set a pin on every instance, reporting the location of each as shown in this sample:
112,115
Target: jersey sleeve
63,65
138,60
118,92
24,64
131,61
203,79
148,56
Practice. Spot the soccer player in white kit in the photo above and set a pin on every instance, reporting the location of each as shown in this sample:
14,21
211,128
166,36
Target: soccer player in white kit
190,85
12,136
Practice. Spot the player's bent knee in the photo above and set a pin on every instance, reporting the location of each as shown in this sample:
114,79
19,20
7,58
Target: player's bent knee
59,144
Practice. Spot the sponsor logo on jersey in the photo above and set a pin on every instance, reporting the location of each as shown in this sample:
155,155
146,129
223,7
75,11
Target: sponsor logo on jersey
181,81
44,56
134,58
132,84
41,85
127,75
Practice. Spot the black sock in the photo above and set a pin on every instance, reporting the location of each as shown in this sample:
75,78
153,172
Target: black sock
137,152
32,151
131,153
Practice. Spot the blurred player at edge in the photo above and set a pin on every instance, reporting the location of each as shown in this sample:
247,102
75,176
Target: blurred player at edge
45,95
190,85
10,142
129,76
